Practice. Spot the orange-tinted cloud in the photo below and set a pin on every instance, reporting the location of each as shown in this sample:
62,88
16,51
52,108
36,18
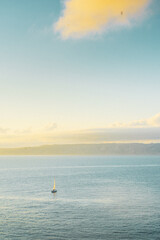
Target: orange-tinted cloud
83,17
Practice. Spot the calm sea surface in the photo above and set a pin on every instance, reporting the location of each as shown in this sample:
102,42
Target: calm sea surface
97,198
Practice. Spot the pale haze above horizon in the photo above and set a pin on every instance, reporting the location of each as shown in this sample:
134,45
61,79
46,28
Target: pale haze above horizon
79,71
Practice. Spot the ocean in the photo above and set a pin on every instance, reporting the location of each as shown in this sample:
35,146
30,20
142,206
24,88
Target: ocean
98,197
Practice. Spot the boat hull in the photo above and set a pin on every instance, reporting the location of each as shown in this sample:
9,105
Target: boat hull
54,191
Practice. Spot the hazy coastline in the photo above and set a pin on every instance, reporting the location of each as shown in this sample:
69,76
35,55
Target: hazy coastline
86,149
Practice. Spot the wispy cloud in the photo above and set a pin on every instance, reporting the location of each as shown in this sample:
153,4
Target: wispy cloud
4,130
50,126
150,122
23,131
83,17
144,130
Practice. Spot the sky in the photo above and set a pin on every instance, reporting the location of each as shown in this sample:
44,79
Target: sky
78,68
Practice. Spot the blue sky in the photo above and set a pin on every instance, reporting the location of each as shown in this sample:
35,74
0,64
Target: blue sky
76,83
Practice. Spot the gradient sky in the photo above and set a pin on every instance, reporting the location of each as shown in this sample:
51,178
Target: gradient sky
56,76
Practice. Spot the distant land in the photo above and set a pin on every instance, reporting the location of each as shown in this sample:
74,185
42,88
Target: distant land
87,149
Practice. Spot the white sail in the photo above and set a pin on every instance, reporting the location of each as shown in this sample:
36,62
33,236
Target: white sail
54,184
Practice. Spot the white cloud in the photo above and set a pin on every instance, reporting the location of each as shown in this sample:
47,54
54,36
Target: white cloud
154,121
150,122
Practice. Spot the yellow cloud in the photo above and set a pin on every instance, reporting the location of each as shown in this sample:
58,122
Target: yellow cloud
81,17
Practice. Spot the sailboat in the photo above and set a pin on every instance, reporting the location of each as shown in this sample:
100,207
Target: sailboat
54,187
